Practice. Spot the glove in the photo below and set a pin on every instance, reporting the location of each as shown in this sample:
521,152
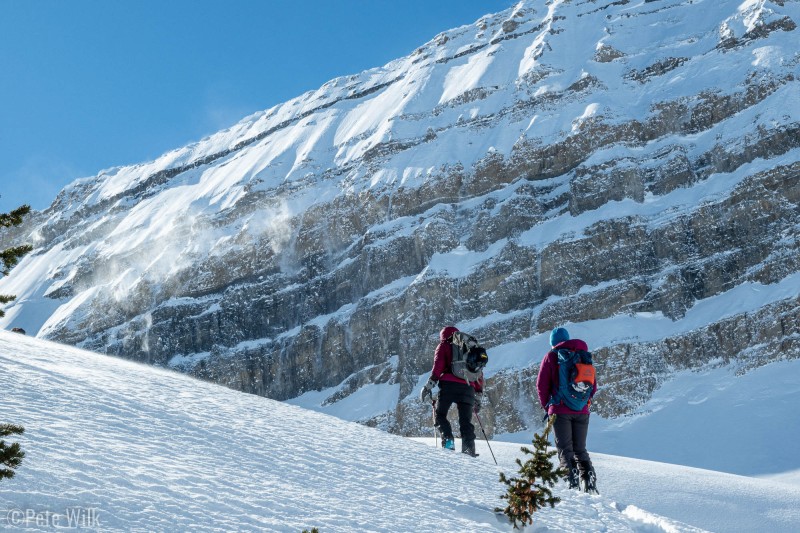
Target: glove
425,393
478,401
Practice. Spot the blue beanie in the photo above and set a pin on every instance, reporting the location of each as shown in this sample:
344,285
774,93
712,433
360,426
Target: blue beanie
558,335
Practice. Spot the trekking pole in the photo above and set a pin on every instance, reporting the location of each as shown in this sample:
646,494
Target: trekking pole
433,415
484,436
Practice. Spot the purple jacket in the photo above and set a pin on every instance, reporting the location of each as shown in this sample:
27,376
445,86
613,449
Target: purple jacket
547,381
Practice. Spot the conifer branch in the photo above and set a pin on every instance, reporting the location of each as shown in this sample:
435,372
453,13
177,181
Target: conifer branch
10,455
11,256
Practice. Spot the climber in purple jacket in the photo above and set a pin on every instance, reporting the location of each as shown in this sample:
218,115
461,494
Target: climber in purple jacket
570,427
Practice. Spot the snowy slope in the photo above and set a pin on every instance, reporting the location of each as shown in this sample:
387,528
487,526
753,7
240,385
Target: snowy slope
716,420
128,447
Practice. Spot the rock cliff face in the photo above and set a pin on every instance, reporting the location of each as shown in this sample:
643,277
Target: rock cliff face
630,170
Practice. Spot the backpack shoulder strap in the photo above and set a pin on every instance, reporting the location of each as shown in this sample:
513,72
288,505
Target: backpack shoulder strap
565,355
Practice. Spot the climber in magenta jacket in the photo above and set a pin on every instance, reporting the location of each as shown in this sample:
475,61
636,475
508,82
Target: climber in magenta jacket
571,427
452,389
443,359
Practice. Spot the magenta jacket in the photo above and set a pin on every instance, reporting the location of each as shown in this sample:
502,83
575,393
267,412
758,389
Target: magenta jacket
547,381
443,360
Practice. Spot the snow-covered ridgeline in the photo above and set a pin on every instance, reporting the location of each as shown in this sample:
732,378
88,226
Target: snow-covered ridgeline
334,125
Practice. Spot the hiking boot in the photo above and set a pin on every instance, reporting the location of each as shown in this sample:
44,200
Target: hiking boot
589,482
448,444
573,477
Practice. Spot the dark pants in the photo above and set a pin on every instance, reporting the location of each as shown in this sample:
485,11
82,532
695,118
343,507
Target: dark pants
570,433
463,396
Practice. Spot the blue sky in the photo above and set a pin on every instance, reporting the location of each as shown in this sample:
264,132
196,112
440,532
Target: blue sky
91,84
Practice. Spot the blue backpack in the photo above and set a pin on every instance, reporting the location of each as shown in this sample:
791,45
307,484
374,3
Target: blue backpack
576,378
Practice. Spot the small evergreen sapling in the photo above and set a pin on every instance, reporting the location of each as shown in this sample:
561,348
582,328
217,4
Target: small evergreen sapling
10,455
531,491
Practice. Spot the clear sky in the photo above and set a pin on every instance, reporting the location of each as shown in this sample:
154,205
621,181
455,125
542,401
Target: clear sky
91,84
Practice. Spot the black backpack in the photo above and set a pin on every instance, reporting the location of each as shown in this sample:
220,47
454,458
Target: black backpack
469,357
